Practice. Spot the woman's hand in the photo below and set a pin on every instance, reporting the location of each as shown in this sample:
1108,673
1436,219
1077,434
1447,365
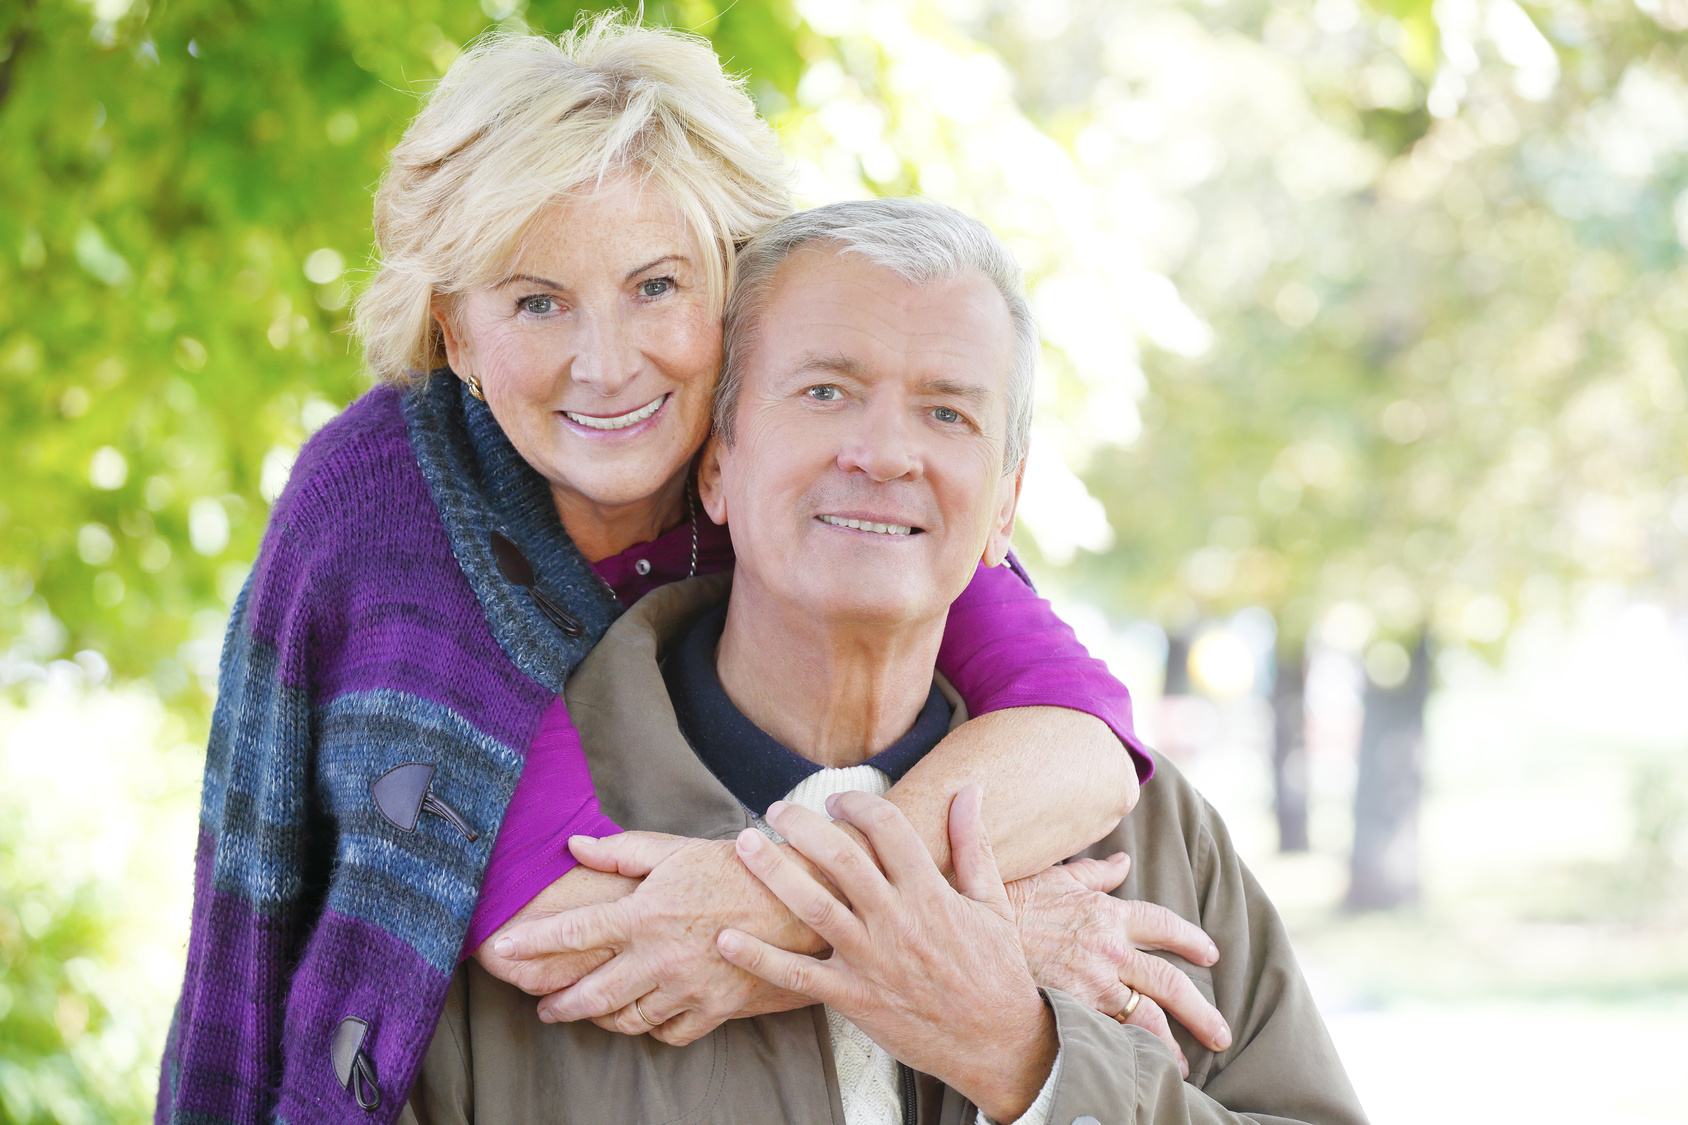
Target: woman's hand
1082,940
541,970
662,937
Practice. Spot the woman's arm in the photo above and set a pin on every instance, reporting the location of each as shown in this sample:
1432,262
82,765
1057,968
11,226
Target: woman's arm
1025,759
1049,733
1015,756
1030,761
554,799
1076,937
1055,781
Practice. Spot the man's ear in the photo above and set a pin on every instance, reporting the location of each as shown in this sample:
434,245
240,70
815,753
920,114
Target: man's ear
1002,523
458,353
709,488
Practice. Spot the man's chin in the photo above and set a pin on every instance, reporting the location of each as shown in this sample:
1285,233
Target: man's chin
855,601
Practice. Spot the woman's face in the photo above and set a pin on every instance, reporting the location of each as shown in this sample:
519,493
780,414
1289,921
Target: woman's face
598,355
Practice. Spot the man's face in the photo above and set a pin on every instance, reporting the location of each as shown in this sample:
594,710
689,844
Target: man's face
866,480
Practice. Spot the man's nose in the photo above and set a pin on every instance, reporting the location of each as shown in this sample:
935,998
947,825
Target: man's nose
605,357
881,446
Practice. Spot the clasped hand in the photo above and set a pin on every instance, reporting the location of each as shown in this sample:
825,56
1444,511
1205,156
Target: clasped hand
656,945
933,974
665,976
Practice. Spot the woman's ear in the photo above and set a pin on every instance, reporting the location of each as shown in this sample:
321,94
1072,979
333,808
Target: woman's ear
709,488
458,353
1002,525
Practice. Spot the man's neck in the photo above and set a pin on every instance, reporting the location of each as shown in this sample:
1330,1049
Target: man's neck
836,694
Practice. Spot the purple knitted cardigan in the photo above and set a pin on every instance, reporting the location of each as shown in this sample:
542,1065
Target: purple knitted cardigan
373,633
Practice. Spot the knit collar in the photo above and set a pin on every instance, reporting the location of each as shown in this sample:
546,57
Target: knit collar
744,757
481,485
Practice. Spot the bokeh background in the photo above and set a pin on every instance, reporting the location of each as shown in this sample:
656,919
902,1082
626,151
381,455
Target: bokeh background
1360,456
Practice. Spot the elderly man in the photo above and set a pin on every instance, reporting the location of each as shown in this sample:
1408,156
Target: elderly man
868,454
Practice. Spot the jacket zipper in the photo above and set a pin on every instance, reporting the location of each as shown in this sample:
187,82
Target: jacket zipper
911,1103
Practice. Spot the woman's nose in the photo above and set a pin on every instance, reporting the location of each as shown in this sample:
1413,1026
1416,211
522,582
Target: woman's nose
605,357
880,446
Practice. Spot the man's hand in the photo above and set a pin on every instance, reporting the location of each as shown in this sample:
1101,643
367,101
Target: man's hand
663,939
1085,942
935,977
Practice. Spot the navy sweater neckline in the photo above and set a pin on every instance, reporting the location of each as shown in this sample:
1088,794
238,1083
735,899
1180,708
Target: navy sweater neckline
754,767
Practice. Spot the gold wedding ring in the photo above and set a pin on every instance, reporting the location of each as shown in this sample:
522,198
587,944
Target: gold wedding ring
653,1023
1124,1013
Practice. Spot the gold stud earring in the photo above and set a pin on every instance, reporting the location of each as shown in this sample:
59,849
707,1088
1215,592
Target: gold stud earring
474,386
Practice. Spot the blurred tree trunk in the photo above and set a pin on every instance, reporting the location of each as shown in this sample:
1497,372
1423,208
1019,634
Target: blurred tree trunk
1383,872
1177,663
1289,746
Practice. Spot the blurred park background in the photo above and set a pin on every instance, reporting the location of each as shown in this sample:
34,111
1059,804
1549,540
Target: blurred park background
1360,456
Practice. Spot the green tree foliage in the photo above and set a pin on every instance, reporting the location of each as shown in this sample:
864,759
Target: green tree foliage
1440,255
55,1066
186,210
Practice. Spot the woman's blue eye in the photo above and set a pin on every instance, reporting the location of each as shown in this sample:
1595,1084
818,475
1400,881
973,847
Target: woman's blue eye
825,392
656,286
538,305
945,414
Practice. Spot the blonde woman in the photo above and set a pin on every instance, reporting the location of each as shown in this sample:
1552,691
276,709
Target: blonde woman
392,775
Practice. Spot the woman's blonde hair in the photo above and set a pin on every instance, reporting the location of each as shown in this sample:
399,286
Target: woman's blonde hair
518,122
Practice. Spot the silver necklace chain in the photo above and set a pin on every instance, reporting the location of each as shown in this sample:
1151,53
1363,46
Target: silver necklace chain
691,510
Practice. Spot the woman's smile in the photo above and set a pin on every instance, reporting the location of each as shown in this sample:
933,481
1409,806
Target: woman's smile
600,424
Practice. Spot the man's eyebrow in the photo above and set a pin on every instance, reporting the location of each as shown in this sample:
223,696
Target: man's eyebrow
969,392
631,274
836,362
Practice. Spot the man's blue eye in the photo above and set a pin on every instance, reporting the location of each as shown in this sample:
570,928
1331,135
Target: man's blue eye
825,392
945,414
656,286
539,306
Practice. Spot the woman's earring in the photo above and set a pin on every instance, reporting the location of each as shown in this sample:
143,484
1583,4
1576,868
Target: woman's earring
474,386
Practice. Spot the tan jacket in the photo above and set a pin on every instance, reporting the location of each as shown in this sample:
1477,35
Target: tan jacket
492,1061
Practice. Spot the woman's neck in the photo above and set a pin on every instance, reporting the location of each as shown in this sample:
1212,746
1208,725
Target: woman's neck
603,530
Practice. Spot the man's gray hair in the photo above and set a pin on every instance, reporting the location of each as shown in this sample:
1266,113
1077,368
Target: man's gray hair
919,240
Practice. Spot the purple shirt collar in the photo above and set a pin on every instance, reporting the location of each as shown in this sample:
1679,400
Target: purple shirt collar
667,558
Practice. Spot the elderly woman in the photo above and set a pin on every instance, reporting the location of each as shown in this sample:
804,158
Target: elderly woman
392,774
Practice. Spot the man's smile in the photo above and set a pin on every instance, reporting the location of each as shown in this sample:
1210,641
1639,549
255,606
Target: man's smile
873,526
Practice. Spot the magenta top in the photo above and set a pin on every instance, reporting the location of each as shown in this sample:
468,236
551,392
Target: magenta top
1003,647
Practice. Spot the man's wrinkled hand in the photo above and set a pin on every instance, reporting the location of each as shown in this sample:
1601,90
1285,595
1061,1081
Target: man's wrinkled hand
1085,942
931,973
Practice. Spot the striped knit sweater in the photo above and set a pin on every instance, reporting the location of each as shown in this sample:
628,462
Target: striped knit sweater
374,632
